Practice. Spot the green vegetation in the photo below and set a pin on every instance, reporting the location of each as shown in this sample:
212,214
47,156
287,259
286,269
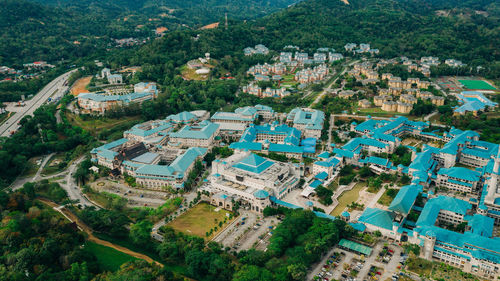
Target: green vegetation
347,198
388,196
104,128
476,85
200,219
39,135
324,194
109,259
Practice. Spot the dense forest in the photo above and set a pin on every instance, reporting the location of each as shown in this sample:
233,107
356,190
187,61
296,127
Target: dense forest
70,30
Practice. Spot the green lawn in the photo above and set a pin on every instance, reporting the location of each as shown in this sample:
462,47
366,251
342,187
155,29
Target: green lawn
52,166
109,259
386,198
476,85
96,125
347,197
199,220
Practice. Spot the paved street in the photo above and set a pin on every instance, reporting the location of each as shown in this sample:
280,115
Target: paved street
55,88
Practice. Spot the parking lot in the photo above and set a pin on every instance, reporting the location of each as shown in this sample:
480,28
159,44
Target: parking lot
383,264
248,231
136,197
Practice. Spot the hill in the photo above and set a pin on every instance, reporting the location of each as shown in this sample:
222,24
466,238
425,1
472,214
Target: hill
411,28
63,29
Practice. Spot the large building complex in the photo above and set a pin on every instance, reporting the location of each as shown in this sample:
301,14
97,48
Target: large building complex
100,103
252,179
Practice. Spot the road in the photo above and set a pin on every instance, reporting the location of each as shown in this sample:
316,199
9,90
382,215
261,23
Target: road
55,88
73,190
326,90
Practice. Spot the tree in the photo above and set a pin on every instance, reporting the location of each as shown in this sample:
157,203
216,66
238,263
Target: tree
140,233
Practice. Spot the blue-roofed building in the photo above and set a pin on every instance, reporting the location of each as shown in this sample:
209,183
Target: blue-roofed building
404,200
473,102
458,179
182,118
196,135
378,165
155,132
275,138
480,225
308,121
473,251
248,177
446,209
377,219
157,177
327,166
100,103
105,155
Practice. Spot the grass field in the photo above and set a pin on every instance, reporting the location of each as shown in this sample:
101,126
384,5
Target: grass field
52,165
109,259
96,125
199,220
386,199
347,198
476,85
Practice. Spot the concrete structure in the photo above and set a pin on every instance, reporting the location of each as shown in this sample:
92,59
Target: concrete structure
253,180
308,121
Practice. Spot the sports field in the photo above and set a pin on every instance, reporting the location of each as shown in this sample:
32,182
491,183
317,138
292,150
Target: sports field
476,85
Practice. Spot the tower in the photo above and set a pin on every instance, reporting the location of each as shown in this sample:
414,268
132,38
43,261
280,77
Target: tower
226,20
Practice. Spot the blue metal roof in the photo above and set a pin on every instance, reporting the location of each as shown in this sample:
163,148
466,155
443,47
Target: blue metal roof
322,176
377,217
146,158
283,203
204,130
460,173
254,164
481,225
285,148
435,205
261,194
315,183
405,199
256,146
182,117
312,119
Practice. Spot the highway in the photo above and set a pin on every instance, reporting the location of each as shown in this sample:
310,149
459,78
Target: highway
56,88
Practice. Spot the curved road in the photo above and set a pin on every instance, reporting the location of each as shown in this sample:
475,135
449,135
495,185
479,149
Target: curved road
55,88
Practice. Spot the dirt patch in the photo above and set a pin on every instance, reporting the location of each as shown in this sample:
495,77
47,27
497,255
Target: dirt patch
80,86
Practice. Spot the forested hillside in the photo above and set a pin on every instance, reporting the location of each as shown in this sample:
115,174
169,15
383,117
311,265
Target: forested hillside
53,30
408,27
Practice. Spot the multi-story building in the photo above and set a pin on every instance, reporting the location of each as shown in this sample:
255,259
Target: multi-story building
252,179
308,121
458,179
197,135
